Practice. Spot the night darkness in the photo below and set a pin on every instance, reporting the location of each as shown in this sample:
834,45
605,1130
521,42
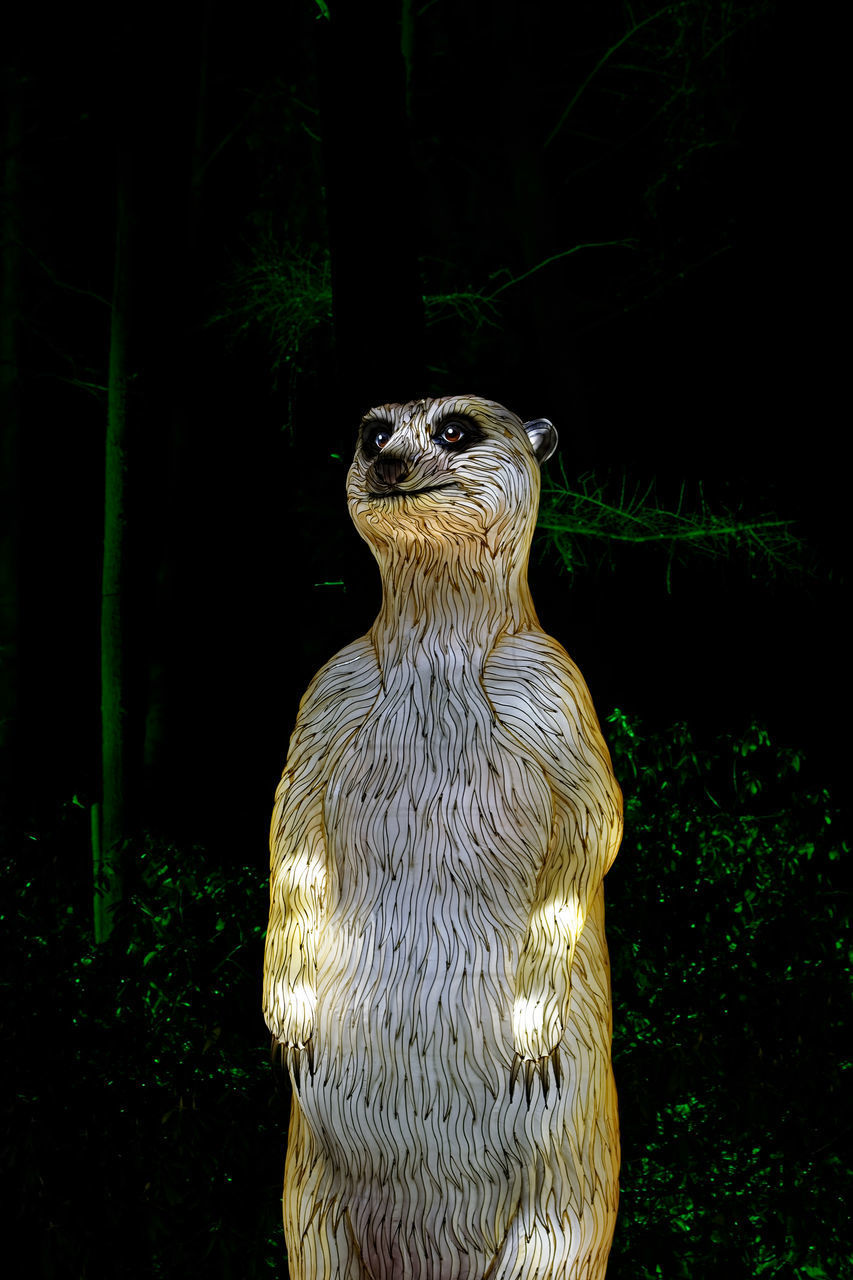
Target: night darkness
317,214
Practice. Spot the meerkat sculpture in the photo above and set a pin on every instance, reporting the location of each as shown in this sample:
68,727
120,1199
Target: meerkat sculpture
436,971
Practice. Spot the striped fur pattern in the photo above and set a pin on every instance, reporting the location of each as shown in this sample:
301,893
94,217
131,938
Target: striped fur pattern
436,969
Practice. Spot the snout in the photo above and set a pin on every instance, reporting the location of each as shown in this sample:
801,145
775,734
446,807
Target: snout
386,473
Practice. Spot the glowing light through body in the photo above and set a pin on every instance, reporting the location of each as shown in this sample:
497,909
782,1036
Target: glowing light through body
436,969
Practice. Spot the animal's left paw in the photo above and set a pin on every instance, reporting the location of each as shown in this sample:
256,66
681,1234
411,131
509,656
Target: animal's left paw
537,1030
546,1068
290,1057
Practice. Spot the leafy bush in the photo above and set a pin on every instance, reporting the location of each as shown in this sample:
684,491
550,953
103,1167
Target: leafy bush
147,1137
730,944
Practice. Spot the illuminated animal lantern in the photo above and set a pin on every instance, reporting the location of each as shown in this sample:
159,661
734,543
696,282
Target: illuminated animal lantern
436,969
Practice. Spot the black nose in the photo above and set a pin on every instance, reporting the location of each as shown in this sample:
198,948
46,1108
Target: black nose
391,470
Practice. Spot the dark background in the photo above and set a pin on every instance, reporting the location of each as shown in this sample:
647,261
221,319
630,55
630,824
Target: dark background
297,184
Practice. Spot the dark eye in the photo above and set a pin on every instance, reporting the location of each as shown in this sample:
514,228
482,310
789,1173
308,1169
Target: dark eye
452,433
379,438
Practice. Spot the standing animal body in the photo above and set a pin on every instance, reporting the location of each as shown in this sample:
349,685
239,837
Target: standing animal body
436,969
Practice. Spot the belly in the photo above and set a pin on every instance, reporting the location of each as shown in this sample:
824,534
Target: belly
435,864
436,840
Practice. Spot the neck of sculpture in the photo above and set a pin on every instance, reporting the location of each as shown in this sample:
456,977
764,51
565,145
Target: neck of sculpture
443,604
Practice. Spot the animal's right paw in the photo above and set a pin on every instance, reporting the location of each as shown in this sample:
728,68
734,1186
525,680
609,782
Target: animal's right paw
289,1013
548,1065
289,1057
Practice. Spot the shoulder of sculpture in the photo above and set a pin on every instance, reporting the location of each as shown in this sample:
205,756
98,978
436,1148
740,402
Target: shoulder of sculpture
333,706
539,692
537,663
340,694
349,670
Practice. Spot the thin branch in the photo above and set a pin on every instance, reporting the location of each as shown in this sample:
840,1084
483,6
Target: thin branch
478,307
63,284
667,8
716,531
573,516
96,388
221,145
728,35
565,253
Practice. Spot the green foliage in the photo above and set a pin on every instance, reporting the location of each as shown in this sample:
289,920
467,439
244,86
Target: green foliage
146,1136
580,521
146,1132
729,930
282,292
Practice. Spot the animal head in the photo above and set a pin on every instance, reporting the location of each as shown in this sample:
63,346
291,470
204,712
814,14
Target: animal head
444,473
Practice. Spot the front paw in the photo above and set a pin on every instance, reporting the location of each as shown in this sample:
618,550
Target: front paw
537,1031
289,1057
545,1067
291,1021
289,1014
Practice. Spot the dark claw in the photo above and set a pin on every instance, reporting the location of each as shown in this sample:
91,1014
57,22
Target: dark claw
288,1058
542,1064
513,1074
534,1067
278,1056
529,1071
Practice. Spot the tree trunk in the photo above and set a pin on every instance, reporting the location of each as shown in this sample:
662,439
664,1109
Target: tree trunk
10,455
110,832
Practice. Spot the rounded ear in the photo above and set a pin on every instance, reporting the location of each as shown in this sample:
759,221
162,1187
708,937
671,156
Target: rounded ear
543,437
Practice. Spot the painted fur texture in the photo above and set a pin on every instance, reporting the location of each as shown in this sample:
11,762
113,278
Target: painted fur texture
436,969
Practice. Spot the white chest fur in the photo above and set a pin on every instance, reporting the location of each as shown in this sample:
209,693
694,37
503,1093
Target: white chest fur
437,823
